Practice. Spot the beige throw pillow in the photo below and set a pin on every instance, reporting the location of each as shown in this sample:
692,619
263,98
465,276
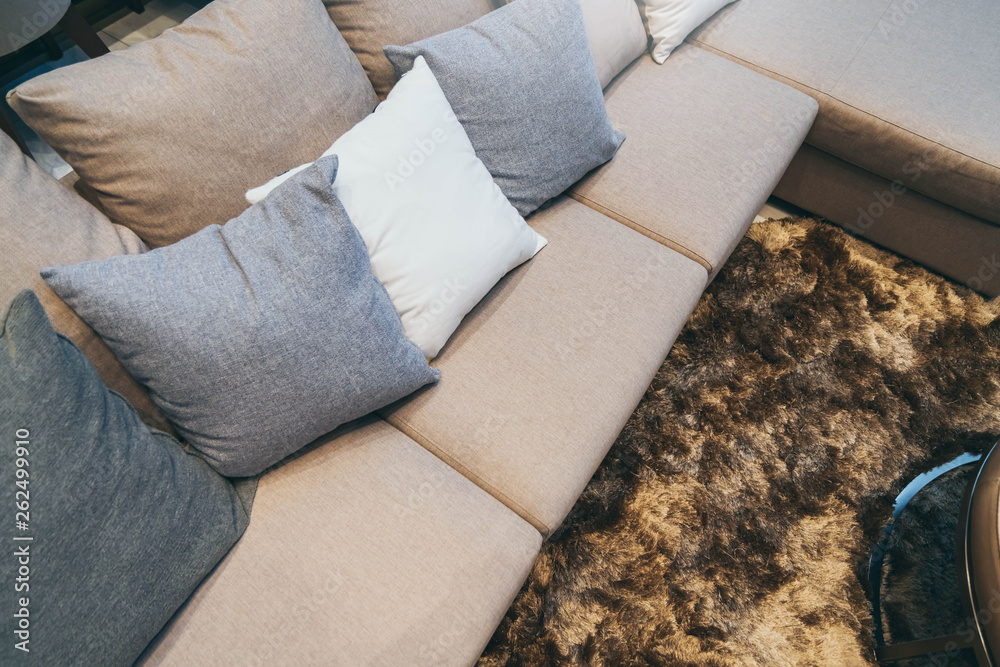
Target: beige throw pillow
43,223
171,132
368,25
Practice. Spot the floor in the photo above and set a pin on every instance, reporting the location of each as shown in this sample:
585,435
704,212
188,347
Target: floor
134,28
773,210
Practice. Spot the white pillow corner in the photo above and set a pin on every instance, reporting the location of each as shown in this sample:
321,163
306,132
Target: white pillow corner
439,231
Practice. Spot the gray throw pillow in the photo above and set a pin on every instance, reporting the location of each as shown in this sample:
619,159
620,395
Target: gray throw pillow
367,25
259,336
116,525
522,82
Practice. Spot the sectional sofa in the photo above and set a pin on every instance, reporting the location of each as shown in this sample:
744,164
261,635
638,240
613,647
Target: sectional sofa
402,538
906,149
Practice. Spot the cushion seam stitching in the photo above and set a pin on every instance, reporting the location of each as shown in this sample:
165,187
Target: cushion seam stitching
660,238
463,470
833,97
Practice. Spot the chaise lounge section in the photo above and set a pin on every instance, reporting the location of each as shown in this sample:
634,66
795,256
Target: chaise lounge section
905,150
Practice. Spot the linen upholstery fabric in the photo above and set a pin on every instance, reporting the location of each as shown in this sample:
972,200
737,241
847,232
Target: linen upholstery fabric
42,223
124,524
395,559
438,230
698,190
523,83
257,337
171,132
953,243
616,34
24,21
592,319
888,103
368,25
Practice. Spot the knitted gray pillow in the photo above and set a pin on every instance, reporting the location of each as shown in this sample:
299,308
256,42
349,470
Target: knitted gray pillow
259,336
522,82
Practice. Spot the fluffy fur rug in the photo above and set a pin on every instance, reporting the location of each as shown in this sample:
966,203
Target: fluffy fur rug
731,522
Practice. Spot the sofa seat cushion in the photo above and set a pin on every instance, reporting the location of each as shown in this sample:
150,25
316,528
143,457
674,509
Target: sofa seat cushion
364,550
44,223
710,140
540,378
907,90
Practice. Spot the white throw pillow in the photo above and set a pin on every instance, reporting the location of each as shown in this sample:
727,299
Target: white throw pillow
439,231
617,36
670,21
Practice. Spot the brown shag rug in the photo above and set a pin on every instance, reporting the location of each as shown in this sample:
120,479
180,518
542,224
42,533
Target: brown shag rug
732,521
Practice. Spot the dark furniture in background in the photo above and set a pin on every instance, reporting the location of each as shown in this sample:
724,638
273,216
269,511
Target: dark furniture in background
977,560
72,25
97,13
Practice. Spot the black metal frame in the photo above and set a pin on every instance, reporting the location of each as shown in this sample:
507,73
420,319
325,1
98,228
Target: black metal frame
975,639
963,563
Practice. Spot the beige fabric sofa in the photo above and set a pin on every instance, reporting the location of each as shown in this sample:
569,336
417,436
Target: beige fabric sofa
401,539
906,148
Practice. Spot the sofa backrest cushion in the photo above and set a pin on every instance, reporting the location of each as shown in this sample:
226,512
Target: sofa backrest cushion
118,524
43,223
259,336
522,82
368,25
171,132
617,35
